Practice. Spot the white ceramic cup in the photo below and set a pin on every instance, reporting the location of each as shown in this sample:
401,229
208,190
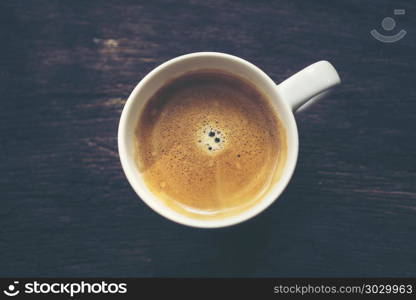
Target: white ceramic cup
305,86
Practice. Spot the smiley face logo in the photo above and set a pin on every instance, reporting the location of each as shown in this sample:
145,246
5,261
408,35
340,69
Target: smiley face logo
11,289
389,24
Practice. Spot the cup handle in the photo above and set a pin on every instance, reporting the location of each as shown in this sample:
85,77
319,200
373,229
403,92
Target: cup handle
311,83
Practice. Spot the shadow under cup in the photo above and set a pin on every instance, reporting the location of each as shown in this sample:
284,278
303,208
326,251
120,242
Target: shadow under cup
174,68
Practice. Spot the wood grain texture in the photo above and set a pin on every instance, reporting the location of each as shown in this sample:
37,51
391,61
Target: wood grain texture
66,69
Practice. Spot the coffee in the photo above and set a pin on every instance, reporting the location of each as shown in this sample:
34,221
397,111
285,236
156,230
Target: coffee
209,144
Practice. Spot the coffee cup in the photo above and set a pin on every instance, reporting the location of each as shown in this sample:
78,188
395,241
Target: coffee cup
298,91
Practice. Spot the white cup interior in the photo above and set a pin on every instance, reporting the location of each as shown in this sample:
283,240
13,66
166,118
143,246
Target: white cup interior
172,69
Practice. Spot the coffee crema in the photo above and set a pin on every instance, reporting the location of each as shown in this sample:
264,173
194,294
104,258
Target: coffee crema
209,144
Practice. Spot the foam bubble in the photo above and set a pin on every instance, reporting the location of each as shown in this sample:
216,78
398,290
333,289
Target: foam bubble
210,138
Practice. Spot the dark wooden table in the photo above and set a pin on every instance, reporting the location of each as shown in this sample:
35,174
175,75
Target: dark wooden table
66,209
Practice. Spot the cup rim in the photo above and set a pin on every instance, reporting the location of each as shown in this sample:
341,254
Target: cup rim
263,204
